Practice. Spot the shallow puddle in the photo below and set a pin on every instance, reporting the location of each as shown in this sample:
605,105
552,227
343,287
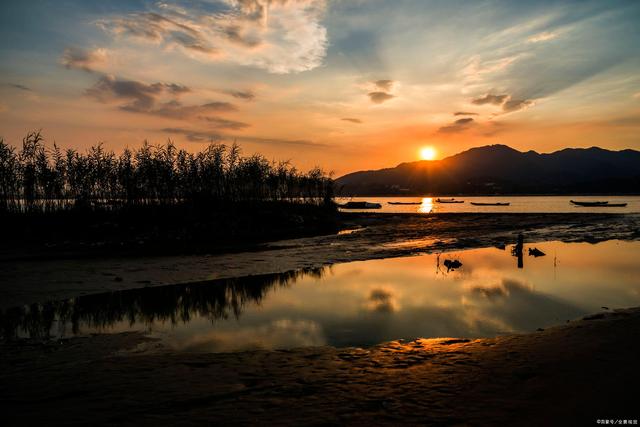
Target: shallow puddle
359,303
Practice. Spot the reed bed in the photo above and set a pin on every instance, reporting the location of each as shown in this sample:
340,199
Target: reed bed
37,178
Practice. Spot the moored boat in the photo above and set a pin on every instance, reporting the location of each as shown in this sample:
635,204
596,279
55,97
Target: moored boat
438,200
490,204
598,204
594,203
360,205
405,203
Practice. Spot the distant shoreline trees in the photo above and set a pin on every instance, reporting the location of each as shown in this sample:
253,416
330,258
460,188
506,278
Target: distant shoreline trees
38,178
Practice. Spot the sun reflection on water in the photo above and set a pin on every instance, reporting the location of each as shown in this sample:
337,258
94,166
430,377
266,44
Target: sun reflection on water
427,205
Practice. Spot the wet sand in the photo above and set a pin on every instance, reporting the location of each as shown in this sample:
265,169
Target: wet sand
26,279
571,374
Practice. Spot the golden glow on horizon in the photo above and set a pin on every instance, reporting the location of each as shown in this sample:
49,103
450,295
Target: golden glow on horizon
427,153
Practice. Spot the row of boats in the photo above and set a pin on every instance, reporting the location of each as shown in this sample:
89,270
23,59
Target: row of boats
452,201
372,205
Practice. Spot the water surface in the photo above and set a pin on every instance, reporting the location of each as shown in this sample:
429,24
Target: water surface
527,204
359,303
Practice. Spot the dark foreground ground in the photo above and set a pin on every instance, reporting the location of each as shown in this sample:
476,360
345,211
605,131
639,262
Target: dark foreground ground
577,373
574,374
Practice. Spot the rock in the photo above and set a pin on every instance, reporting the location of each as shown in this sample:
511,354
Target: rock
452,264
535,252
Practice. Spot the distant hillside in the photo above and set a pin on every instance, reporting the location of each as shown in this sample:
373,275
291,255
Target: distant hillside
498,169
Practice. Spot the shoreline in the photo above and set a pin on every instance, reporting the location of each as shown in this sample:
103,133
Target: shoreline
371,236
578,372
346,219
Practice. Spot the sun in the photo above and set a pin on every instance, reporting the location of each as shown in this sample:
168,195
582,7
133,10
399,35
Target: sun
427,153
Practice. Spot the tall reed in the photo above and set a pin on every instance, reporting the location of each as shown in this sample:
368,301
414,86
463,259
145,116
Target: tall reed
38,178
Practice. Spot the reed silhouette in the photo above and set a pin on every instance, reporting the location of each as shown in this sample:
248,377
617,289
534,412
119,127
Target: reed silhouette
159,198
46,179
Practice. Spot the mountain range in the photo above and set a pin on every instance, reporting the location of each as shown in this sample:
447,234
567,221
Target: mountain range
499,169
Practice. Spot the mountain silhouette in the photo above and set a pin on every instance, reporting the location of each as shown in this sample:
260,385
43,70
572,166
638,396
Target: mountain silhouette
499,169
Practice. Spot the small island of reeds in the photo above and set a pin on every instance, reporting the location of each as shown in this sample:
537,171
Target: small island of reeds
156,198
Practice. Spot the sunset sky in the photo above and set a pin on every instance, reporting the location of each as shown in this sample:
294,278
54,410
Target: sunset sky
343,84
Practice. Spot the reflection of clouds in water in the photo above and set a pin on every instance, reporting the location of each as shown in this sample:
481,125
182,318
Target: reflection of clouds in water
382,300
362,303
281,333
516,306
501,290
480,324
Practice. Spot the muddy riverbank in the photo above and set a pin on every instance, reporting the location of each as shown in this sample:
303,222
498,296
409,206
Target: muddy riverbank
26,280
575,373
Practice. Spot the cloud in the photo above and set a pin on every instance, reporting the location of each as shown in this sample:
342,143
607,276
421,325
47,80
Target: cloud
384,85
280,36
458,126
302,142
175,88
82,59
220,123
245,95
141,97
476,68
490,99
234,33
3,108
158,28
379,97
516,104
380,91
507,103
542,37
382,301
194,135
19,86
464,113
560,64
351,119
175,110
625,121
502,290
138,97
636,95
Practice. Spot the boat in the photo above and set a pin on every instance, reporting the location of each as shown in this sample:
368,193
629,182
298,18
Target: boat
588,203
490,204
405,203
360,205
449,201
598,204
